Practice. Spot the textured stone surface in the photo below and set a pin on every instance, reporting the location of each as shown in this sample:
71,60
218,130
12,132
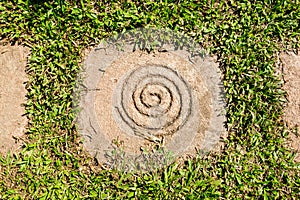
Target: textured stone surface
136,100
291,75
12,96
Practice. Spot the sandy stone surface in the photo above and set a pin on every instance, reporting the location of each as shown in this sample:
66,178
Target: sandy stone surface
133,101
12,96
291,75
131,87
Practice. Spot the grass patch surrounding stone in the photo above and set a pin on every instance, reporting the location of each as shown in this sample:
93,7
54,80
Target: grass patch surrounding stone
246,36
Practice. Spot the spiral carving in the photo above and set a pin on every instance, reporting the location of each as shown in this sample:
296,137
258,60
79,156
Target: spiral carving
154,100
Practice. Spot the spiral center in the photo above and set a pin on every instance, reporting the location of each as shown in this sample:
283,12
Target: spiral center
153,95
151,99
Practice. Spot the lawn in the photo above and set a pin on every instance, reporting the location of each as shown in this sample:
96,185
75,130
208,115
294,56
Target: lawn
246,37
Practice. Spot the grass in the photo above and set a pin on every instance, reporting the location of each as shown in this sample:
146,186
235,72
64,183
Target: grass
246,36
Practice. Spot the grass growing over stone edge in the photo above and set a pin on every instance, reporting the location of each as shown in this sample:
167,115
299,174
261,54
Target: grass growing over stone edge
245,35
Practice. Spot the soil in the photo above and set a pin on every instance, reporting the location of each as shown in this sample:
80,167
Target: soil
291,76
13,123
